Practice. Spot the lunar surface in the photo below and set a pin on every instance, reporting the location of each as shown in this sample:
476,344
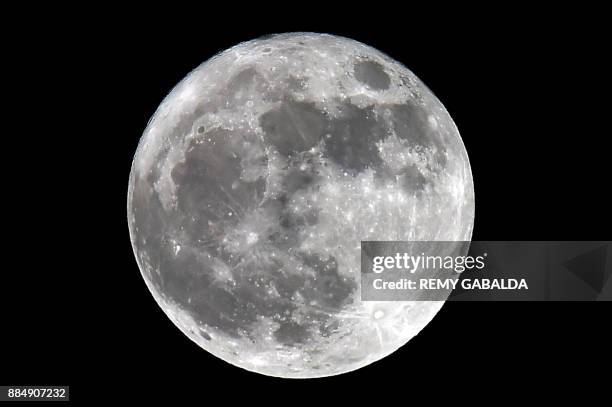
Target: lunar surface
258,177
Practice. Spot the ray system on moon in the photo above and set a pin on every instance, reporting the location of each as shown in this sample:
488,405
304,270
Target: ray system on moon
258,177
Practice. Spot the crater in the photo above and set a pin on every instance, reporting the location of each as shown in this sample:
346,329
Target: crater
372,74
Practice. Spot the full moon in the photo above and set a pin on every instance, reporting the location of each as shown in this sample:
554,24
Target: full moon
258,177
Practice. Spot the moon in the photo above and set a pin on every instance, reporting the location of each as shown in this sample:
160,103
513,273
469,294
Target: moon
256,180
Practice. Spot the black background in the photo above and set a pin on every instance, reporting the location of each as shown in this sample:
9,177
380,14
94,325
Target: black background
526,90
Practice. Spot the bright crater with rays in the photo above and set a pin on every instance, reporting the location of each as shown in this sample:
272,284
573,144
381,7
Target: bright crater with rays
257,179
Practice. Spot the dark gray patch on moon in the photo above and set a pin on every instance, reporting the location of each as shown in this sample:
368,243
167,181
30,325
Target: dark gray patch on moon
412,179
291,333
297,127
294,127
247,80
209,192
410,124
353,139
296,84
372,74
297,179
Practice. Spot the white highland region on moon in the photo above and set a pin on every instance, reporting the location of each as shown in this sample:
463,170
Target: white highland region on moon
258,177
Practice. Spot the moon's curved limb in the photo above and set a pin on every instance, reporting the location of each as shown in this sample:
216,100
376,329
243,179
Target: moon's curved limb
257,179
